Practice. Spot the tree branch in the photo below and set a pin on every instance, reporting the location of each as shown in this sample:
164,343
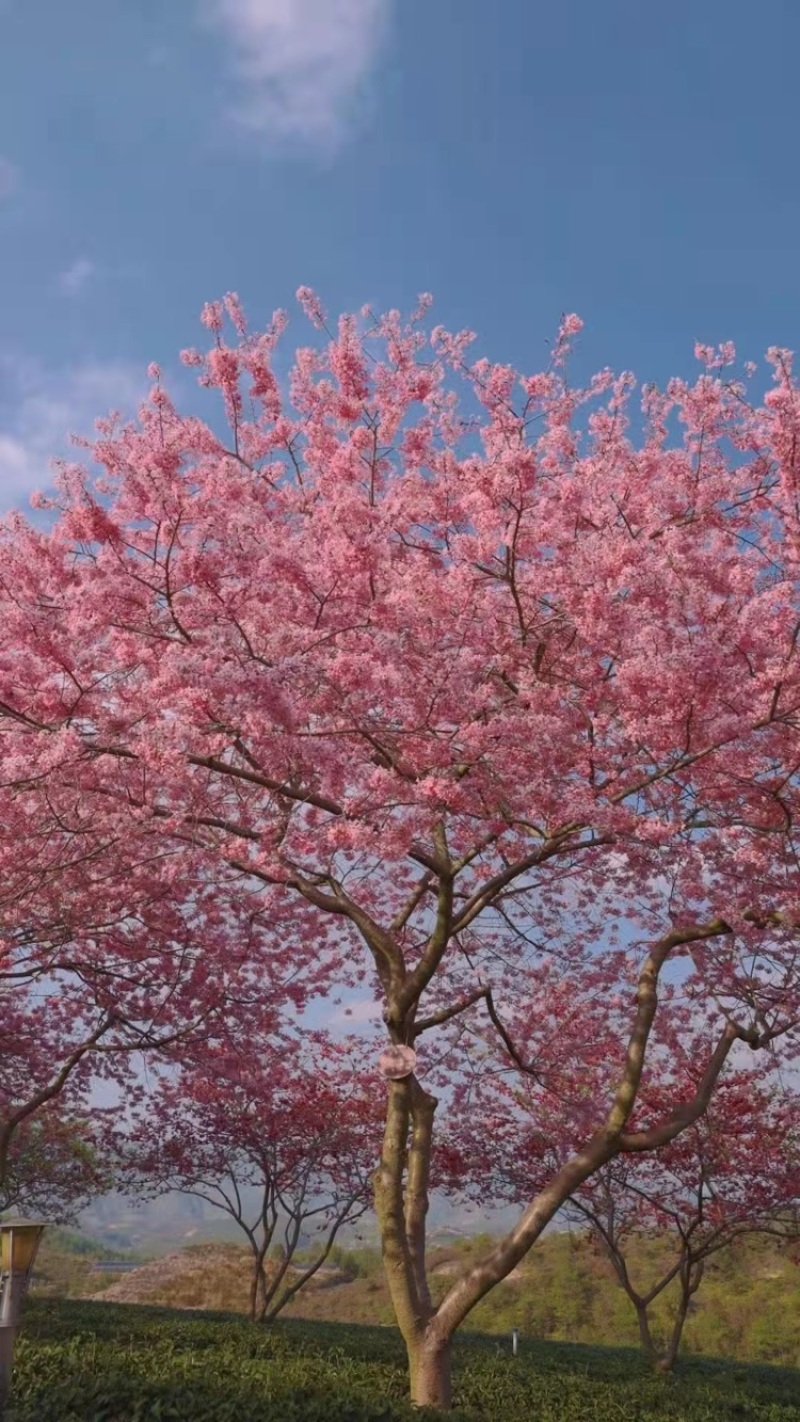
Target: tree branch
447,1013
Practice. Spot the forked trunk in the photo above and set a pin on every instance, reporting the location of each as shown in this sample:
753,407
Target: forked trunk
401,1200
405,1162
667,1361
662,1362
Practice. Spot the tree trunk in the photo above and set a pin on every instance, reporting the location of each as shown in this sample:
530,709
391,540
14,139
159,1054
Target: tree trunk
404,1272
429,1363
645,1335
401,1216
258,1290
666,1363
401,1213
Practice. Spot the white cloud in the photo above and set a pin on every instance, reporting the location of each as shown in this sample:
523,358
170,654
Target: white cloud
42,409
8,177
301,63
74,278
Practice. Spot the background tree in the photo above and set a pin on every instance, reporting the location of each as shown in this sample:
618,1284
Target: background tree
468,671
735,1172
95,972
283,1136
56,1166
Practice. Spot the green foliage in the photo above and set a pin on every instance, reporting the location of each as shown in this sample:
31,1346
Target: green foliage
71,1241
356,1263
84,1362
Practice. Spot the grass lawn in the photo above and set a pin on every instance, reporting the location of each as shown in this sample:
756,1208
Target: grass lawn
96,1362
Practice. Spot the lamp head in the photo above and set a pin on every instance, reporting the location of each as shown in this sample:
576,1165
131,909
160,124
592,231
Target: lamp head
19,1241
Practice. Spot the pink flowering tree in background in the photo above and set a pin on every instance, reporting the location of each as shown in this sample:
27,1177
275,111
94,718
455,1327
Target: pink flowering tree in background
47,1042
470,677
90,981
736,1171
56,1165
281,1136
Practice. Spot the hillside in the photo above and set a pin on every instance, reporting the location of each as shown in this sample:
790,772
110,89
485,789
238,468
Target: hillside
748,1306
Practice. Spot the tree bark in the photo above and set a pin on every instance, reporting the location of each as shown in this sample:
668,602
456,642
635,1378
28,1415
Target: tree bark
689,1286
398,1264
646,1337
430,1369
259,1295
422,1110
401,1217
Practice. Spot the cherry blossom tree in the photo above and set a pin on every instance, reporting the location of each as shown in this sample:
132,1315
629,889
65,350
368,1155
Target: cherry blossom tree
283,1137
56,1166
82,1000
477,677
734,1171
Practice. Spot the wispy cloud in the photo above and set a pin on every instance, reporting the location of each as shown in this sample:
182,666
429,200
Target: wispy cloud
302,64
41,409
75,277
9,177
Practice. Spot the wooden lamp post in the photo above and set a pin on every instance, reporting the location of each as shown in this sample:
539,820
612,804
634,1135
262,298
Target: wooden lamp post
19,1241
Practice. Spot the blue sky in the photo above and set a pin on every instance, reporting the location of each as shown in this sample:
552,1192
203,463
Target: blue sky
633,162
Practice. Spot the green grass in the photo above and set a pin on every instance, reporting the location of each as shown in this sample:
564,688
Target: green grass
95,1362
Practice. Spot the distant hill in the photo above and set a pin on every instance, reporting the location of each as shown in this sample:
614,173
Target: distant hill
748,1306
157,1226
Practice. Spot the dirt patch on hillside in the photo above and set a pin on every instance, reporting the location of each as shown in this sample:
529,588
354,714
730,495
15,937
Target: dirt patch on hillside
189,1276
214,1276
